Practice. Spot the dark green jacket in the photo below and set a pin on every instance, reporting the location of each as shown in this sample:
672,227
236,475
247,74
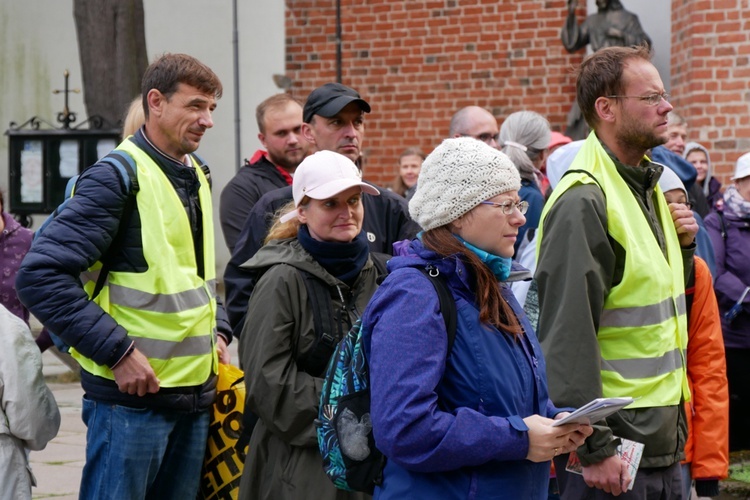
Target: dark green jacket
578,265
283,461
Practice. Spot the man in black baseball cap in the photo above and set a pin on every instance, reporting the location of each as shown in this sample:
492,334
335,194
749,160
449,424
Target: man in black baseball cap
327,100
334,120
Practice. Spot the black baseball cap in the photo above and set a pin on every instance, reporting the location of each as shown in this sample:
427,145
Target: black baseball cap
327,100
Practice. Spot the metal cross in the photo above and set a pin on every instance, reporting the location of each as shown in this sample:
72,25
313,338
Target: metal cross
66,117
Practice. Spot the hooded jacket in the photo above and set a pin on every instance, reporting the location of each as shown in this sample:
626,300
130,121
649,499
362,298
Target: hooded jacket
732,254
711,186
29,417
283,461
451,423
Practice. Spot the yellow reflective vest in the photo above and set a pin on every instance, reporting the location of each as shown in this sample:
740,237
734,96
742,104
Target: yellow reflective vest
168,310
642,332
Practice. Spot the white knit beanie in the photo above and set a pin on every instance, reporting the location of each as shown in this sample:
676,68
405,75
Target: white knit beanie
456,177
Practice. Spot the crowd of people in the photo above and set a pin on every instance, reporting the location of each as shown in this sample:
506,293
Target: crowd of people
579,270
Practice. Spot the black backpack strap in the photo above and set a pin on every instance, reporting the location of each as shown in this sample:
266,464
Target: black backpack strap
380,261
126,163
690,292
447,302
722,225
328,329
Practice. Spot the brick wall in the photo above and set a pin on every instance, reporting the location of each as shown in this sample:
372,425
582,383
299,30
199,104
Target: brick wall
418,61
711,76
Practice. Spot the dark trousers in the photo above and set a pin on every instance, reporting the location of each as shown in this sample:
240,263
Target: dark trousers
738,376
659,483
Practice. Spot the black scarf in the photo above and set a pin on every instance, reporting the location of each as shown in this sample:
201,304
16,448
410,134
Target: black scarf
342,260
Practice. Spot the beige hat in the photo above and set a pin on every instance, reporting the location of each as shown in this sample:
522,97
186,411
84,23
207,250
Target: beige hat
323,175
456,177
742,169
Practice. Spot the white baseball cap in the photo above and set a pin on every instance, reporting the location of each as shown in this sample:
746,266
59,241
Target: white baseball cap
742,169
323,175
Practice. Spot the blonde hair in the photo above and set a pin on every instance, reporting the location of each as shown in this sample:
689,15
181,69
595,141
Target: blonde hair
283,230
134,118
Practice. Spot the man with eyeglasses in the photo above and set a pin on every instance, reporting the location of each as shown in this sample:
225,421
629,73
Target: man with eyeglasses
476,122
613,258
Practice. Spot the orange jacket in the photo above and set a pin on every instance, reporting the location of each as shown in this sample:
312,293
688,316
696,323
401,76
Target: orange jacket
707,447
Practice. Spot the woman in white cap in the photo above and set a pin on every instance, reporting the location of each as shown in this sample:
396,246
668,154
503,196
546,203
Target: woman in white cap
729,229
472,421
319,238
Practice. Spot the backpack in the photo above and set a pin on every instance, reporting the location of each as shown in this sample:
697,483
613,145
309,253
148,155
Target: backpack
328,333
125,165
350,458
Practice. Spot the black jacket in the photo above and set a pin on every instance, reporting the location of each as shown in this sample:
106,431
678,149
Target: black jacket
48,282
252,181
386,222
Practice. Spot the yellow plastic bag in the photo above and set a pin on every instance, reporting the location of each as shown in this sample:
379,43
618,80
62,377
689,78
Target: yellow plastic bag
223,464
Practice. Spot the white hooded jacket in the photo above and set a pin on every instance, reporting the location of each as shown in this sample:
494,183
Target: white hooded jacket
29,417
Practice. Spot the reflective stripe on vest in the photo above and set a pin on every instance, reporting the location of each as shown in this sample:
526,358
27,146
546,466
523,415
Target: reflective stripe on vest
168,310
642,332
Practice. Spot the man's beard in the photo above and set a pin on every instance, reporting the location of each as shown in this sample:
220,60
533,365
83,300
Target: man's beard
638,137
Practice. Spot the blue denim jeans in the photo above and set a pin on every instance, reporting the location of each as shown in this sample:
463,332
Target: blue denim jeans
142,453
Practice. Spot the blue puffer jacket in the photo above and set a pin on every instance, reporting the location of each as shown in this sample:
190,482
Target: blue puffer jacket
451,430
48,282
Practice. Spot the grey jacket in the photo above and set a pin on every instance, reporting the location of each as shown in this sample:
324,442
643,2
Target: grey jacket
283,460
29,417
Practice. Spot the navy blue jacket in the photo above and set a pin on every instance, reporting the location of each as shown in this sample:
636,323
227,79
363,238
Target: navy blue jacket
48,281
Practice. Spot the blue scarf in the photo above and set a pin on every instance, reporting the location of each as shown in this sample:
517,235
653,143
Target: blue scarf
342,260
500,266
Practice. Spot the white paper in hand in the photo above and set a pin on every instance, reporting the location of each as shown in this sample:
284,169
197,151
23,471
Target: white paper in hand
594,411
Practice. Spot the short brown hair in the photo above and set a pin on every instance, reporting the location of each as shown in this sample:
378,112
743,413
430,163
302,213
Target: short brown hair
276,101
600,74
170,70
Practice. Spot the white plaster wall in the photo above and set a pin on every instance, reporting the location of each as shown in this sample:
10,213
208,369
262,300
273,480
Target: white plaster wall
38,43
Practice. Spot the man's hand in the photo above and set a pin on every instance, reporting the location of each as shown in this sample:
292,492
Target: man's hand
134,375
684,223
610,475
225,357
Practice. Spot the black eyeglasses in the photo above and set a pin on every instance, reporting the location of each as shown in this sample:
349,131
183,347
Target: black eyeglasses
508,206
650,99
486,138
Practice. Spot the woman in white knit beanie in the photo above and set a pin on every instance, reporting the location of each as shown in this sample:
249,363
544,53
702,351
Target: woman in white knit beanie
469,413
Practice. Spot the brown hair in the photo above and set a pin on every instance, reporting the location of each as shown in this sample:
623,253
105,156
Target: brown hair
397,185
600,75
276,101
170,70
493,308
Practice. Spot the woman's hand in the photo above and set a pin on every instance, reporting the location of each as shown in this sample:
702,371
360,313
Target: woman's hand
546,442
577,437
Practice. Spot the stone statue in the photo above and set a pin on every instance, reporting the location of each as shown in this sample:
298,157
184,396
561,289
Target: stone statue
611,26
